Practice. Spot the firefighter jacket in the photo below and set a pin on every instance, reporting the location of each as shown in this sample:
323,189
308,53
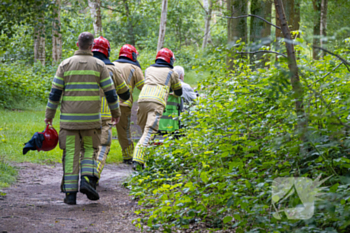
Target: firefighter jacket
133,78
158,81
77,85
120,87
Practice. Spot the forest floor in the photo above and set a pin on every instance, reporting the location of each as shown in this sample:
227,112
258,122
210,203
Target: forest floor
35,204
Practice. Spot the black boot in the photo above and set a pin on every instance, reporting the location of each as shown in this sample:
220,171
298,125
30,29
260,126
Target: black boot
137,166
71,198
127,161
88,187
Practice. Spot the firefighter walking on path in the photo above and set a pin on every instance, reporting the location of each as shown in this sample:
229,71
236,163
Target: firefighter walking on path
160,78
132,73
78,80
101,50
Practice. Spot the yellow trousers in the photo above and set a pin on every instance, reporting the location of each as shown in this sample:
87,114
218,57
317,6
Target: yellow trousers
104,148
124,133
148,116
76,143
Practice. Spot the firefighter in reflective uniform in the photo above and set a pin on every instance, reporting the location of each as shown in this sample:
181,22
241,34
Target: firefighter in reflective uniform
132,73
76,87
101,50
159,79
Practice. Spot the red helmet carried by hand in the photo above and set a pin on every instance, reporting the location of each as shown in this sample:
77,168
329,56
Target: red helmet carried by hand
166,55
128,51
101,45
51,138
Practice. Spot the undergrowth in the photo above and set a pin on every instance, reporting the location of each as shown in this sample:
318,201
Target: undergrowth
238,139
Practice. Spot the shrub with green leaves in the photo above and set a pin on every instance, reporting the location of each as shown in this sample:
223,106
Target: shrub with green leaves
239,138
20,83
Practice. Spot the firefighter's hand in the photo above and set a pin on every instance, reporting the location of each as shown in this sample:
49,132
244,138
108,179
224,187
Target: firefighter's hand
48,121
115,120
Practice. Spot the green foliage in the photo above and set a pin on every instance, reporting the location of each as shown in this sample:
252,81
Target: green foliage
20,83
239,137
7,174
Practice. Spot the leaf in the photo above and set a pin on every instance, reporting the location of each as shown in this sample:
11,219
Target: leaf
227,219
237,217
204,177
334,188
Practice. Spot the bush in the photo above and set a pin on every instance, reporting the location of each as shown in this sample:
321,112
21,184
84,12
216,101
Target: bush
242,136
20,83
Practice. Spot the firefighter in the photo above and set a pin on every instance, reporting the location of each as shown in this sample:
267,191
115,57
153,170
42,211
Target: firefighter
132,73
101,50
76,84
160,78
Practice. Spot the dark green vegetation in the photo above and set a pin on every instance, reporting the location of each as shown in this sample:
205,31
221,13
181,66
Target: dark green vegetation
240,135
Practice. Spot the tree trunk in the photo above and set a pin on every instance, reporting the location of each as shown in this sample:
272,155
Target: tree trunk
298,93
131,35
39,39
56,34
95,9
260,32
292,13
317,28
236,28
162,25
323,23
208,11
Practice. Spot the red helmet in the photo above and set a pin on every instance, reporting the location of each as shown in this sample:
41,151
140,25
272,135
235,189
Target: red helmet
166,55
101,45
50,139
128,51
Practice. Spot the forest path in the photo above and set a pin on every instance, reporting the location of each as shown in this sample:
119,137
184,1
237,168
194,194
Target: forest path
35,203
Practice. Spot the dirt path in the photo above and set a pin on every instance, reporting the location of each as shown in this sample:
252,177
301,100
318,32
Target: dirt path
35,203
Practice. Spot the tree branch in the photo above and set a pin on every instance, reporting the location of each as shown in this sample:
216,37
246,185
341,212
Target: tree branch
346,63
112,9
324,102
202,7
250,15
328,73
263,51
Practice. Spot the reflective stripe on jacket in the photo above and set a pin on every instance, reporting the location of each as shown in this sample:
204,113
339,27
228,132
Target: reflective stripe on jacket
133,77
158,81
120,87
77,86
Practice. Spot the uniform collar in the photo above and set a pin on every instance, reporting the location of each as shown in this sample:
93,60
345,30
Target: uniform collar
83,52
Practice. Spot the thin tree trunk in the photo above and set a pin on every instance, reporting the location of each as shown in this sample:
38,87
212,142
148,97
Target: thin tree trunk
260,32
39,39
162,25
298,92
323,27
56,34
208,12
95,9
292,13
130,26
236,28
317,28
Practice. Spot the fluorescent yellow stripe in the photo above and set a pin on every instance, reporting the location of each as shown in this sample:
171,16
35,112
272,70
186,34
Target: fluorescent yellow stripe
79,114
82,72
121,85
79,120
105,79
140,83
81,90
56,84
81,98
